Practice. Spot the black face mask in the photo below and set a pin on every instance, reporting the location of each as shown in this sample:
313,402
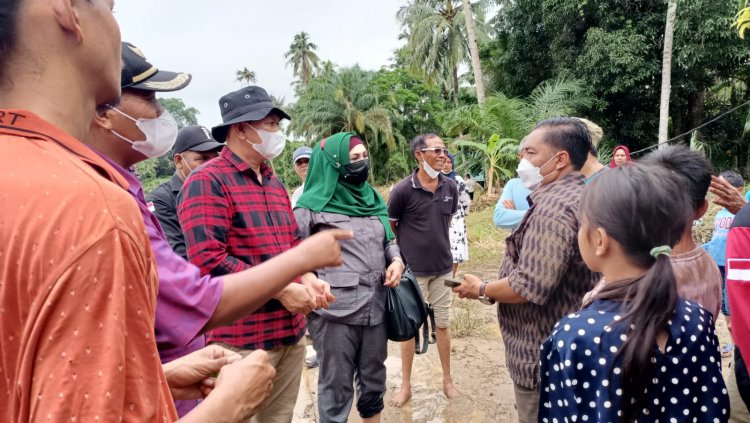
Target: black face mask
357,172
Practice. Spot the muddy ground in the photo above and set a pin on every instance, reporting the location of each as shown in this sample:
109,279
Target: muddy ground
478,362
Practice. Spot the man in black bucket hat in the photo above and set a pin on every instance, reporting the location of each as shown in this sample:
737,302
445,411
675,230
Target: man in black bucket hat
235,214
250,104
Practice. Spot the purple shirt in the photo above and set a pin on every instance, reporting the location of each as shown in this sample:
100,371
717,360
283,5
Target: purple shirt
186,301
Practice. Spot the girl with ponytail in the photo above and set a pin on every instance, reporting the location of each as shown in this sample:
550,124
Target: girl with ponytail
638,352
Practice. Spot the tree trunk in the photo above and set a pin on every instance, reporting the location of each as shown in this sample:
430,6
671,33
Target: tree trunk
489,180
697,105
666,73
476,65
678,124
455,85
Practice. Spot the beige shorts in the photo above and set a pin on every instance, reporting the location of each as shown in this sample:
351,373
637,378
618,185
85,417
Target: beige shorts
438,295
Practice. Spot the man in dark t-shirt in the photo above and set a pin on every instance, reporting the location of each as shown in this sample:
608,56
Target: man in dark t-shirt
420,209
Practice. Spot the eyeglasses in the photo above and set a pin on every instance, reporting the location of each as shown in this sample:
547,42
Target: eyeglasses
436,150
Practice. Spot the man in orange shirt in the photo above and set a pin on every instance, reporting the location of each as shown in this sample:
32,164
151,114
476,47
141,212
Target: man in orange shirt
77,278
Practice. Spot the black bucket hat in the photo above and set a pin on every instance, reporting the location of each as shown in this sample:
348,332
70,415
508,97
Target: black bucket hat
248,104
138,73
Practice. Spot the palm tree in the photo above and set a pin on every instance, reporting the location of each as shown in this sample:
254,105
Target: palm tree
302,57
245,76
666,73
438,36
495,127
343,100
279,102
476,65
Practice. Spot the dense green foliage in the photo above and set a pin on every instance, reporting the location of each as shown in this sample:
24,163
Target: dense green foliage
496,127
615,48
599,59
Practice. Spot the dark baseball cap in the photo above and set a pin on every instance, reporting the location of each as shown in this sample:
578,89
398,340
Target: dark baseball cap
248,104
138,73
195,138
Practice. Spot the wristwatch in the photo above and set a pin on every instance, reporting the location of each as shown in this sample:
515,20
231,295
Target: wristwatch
483,298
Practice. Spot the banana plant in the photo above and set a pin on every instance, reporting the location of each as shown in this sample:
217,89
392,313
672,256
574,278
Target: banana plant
742,19
501,155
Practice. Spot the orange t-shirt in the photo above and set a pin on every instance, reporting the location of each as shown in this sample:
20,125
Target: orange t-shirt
78,285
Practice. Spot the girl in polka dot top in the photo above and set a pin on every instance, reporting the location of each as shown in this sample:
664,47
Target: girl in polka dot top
638,352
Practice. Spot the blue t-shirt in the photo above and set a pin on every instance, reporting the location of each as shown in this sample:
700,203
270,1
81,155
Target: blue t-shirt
579,369
717,247
515,191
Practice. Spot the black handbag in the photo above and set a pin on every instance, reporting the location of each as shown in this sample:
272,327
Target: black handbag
406,313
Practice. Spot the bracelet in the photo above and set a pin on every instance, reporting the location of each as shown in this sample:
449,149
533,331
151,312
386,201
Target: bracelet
398,259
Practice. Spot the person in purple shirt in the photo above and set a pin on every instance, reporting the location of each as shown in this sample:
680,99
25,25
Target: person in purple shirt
137,128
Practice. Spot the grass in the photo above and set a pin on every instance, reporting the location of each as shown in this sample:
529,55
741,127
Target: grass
486,241
468,319
486,250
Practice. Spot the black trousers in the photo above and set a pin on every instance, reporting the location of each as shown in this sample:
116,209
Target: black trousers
743,379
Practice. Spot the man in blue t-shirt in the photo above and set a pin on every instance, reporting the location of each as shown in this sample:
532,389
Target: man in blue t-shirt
717,249
513,202
512,205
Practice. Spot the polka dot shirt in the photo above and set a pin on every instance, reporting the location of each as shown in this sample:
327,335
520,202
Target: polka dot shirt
580,375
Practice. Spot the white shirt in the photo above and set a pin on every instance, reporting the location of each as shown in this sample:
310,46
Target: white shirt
297,194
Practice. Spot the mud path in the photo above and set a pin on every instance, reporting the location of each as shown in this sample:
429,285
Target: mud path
478,367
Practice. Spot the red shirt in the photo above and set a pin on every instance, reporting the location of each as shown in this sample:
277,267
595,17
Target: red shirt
738,279
77,285
232,222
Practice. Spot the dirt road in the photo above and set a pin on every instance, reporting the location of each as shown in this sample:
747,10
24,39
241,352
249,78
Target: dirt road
479,369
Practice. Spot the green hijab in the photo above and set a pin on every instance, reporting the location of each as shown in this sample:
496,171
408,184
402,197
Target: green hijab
326,190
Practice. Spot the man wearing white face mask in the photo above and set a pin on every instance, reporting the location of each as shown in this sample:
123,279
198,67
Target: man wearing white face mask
236,214
194,146
420,210
187,304
542,277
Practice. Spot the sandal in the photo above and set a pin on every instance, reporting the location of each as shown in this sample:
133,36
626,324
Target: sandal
726,350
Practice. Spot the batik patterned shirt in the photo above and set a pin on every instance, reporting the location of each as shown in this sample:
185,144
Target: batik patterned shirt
543,265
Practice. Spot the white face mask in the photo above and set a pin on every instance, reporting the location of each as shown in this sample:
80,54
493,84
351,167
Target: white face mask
184,162
531,176
271,145
161,134
432,173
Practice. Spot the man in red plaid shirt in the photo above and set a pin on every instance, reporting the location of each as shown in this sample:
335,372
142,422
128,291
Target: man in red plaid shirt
235,213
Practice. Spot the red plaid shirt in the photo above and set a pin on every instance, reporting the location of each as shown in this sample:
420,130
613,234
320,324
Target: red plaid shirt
231,223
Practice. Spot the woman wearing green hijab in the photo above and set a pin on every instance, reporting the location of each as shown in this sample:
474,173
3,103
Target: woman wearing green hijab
350,337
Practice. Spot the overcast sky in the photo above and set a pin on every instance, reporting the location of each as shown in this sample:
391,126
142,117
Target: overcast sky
213,39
